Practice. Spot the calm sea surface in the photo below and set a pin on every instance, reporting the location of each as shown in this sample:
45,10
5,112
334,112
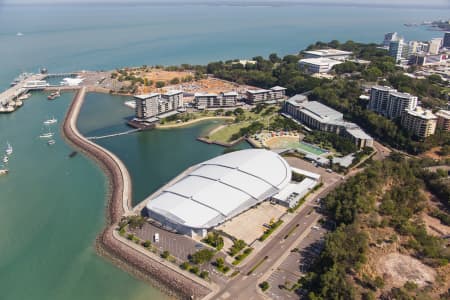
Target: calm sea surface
52,206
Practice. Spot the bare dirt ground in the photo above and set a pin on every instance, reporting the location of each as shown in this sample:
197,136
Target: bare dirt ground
434,225
249,225
433,153
398,269
209,85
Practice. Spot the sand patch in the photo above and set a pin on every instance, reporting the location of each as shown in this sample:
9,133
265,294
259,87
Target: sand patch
397,269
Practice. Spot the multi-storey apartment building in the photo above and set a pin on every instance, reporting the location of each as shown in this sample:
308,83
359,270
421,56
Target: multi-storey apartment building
203,101
276,93
154,104
389,102
443,120
419,122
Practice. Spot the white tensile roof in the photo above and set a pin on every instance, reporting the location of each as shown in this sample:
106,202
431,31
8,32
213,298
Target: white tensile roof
222,187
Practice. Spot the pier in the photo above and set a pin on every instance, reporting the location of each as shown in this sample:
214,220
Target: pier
18,90
9,97
113,134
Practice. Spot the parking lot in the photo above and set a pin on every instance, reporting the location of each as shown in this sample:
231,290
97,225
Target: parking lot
178,245
295,265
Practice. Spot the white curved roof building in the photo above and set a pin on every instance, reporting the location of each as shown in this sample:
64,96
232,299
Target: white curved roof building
214,191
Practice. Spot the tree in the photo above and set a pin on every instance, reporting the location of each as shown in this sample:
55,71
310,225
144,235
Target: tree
160,84
274,58
202,256
264,286
175,80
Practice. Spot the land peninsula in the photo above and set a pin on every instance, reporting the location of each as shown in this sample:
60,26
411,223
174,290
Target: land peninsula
349,222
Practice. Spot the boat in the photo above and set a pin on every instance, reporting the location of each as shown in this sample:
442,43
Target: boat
20,78
5,159
51,142
9,149
36,84
54,95
24,96
4,171
50,121
19,34
73,154
46,135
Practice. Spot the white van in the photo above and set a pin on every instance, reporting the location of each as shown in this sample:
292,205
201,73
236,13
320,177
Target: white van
156,237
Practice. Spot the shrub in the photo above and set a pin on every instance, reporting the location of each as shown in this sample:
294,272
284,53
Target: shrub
264,286
146,244
165,254
238,245
215,240
204,274
160,84
185,266
194,270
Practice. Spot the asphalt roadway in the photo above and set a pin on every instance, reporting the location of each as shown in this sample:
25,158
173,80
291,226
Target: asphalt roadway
244,286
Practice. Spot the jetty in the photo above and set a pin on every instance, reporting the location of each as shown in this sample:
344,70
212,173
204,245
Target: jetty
9,99
113,134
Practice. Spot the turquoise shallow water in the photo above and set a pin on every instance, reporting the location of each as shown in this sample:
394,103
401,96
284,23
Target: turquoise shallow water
152,157
52,207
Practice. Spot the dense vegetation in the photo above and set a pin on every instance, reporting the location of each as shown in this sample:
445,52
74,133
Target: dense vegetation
395,184
343,93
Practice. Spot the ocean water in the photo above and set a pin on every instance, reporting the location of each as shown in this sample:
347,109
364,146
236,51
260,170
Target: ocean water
52,206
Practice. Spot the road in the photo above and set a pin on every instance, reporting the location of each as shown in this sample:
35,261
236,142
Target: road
245,287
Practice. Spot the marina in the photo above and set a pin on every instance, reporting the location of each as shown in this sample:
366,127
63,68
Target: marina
22,85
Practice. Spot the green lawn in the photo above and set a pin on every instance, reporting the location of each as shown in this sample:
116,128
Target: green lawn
225,133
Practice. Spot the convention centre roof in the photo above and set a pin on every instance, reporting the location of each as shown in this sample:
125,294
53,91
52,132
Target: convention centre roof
220,188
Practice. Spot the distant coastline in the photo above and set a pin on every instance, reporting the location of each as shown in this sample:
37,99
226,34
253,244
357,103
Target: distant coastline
270,3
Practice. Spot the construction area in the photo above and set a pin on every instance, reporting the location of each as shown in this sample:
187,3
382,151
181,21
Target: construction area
148,80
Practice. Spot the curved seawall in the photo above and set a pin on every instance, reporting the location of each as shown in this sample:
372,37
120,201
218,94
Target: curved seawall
121,251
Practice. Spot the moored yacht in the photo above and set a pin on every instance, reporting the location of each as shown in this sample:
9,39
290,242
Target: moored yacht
9,149
50,121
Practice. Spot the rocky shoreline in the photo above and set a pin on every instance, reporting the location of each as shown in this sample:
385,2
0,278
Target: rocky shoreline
119,203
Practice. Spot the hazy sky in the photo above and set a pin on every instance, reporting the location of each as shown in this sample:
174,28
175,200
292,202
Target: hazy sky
359,2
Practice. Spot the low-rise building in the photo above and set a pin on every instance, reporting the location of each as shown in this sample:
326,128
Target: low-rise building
154,104
419,122
203,101
315,115
443,120
318,65
328,53
276,93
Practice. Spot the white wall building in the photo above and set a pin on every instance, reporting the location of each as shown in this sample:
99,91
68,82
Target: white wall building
153,104
203,101
275,94
420,122
389,102
328,53
318,65
434,46
315,115
218,189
